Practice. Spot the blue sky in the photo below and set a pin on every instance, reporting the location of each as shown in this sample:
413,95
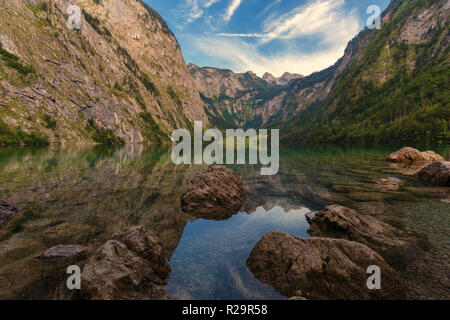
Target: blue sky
300,36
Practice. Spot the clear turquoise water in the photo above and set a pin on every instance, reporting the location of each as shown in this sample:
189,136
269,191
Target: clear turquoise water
82,195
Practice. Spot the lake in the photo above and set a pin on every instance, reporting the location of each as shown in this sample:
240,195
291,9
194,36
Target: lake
84,194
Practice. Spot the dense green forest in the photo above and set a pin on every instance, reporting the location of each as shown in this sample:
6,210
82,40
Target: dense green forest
411,107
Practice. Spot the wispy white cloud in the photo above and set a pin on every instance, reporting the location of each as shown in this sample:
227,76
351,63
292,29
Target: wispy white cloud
245,57
272,5
241,35
209,3
195,9
325,20
321,17
235,4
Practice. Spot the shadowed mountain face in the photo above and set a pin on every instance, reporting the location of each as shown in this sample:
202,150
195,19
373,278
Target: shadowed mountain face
234,99
123,71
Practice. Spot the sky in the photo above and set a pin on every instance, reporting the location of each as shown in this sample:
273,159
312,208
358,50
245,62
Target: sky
297,36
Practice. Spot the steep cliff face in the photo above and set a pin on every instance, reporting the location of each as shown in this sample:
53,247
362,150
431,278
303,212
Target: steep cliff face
247,100
121,77
394,87
233,99
390,86
306,92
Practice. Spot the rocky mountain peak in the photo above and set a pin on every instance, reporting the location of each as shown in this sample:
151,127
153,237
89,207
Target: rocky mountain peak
287,77
283,80
269,77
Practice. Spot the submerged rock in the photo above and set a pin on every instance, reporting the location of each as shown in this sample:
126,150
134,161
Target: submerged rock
345,223
7,212
398,247
131,266
321,268
60,252
215,194
407,168
409,154
436,173
389,184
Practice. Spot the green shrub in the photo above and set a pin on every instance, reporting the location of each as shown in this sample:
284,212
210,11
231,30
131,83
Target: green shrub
42,6
10,136
96,25
103,135
13,62
50,123
152,131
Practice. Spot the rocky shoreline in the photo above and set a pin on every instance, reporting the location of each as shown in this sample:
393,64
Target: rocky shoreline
332,263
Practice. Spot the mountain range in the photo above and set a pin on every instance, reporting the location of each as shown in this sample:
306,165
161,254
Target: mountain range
122,79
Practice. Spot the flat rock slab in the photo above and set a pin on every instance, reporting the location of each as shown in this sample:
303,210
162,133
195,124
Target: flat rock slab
7,212
321,268
60,252
436,173
215,194
409,154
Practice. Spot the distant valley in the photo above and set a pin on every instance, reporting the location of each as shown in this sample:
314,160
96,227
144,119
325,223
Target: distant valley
122,79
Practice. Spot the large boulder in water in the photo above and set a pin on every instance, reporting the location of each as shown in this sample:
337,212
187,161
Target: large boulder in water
7,212
215,194
436,173
131,266
396,246
345,223
409,154
321,268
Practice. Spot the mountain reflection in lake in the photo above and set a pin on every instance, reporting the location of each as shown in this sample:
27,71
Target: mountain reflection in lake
84,194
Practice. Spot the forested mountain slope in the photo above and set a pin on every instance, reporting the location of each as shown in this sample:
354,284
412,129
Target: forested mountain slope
395,88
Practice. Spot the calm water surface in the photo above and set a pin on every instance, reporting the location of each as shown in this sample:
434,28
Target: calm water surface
83,195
